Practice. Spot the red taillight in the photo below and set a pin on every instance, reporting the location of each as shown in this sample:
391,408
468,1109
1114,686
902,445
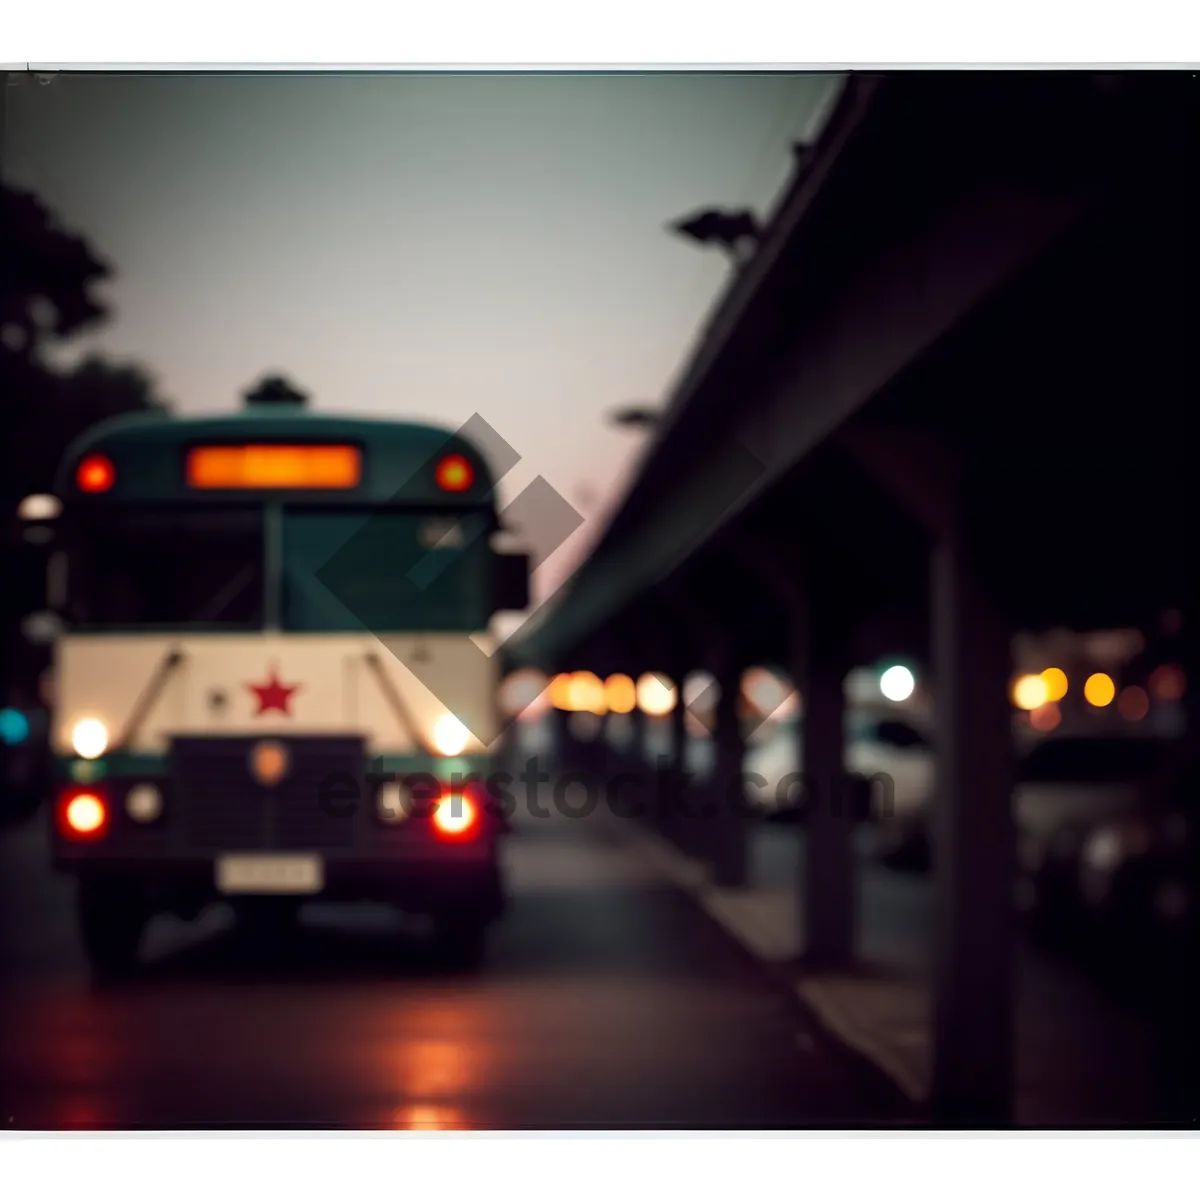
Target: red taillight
456,816
83,813
95,474
454,473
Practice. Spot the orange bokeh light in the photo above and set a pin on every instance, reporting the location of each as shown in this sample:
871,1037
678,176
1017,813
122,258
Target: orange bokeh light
1099,690
1057,684
587,694
560,692
620,693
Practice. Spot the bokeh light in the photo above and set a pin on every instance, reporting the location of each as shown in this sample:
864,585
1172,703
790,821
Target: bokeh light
1133,703
586,693
700,692
1167,683
560,692
1099,690
897,683
620,693
14,727
765,690
1030,692
1046,717
523,693
655,694
1057,684
39,507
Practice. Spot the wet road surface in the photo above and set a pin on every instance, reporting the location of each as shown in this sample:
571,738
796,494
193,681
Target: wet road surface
607,1001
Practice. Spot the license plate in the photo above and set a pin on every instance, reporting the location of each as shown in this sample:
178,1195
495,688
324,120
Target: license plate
280,874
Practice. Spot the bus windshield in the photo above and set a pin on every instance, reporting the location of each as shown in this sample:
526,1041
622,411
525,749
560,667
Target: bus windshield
384,570
339,570
167,569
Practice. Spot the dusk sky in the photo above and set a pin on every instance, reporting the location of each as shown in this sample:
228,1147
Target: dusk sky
420,246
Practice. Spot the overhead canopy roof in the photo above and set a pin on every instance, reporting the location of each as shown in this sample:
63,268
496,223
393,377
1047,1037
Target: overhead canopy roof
998,261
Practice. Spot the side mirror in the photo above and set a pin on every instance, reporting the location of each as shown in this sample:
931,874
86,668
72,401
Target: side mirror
510,582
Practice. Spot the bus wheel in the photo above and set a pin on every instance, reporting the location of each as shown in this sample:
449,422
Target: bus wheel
111,918
460,940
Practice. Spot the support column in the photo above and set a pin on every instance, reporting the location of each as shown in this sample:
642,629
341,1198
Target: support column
560,740
633,761
828,894
603,755
726,827
635,749
1178,986
973,836
973,1039
679,790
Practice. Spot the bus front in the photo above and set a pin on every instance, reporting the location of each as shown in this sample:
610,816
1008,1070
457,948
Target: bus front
276,681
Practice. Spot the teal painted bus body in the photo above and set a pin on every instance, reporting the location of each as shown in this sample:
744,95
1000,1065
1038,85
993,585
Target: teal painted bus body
148,452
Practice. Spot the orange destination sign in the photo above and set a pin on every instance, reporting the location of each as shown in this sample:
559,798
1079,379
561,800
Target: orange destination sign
229,468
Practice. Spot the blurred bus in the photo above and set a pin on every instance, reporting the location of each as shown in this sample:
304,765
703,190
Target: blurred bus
274,682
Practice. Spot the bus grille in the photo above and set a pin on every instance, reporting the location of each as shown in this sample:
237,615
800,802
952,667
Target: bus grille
220,806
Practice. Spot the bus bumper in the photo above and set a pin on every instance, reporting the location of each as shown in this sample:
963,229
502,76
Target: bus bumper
469,883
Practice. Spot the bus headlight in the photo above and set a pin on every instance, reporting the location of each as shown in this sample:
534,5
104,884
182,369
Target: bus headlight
393,803
450,736
144,803
89,738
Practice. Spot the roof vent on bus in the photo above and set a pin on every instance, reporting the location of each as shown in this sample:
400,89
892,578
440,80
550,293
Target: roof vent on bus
272,391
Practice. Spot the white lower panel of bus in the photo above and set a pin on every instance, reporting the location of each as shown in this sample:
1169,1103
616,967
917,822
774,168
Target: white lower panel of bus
273,874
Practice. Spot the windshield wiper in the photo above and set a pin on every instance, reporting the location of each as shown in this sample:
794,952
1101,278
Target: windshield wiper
145,702
401,710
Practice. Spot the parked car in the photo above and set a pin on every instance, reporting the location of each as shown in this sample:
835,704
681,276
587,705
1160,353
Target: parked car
1067,788
889,766
1138,876
1084,806
898,753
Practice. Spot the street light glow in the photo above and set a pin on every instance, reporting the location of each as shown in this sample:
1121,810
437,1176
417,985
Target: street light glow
897,683
1056,682
1099,690
1030,692
39,507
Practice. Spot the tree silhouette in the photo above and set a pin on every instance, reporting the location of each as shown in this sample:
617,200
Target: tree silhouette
47,280
46,277
94,391
58,409
97,389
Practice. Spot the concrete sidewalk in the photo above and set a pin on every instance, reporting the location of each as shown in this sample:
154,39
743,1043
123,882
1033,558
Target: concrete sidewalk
1082,1059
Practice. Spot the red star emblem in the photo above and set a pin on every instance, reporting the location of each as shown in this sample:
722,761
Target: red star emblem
273,696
